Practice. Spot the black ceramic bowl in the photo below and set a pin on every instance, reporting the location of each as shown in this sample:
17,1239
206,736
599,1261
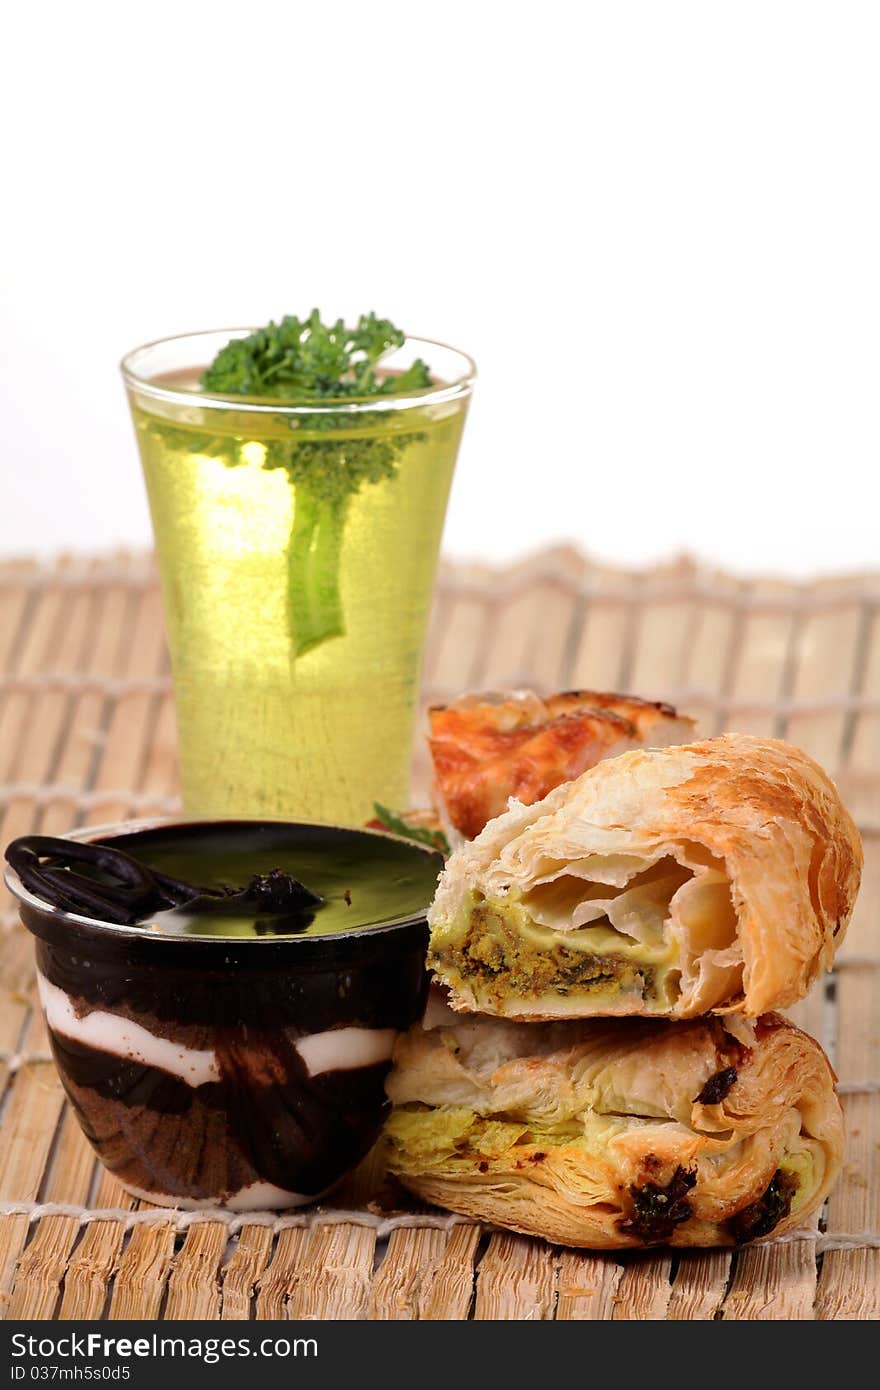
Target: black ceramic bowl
220,1061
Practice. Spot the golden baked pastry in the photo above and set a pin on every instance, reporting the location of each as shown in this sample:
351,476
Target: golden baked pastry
618,1134
486,748
673,881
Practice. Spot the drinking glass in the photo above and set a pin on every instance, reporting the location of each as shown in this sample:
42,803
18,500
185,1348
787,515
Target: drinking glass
297,548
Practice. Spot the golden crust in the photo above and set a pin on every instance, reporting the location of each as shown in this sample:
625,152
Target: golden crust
488,747
754,819
664,1133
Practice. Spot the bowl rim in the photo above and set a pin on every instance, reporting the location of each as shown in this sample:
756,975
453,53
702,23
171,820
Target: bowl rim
141,932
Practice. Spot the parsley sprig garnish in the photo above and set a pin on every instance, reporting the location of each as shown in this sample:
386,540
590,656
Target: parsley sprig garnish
302,360
434,839
299,361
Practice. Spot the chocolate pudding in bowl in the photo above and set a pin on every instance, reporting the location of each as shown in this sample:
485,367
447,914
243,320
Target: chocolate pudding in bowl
222,998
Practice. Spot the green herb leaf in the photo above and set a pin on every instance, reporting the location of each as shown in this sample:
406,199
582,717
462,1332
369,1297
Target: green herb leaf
300,361
306,360
434,839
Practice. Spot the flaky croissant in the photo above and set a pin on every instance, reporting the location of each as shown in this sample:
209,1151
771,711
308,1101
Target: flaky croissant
617,1134
670,882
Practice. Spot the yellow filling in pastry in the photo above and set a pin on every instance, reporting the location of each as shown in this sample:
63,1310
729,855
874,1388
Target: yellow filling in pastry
575,1158
503,947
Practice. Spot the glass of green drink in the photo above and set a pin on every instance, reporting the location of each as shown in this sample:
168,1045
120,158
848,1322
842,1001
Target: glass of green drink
297,538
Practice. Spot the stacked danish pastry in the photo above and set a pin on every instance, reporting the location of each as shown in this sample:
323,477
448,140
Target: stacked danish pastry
612,1072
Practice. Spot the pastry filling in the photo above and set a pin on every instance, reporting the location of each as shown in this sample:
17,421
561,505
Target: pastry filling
761,1217
657,1209
454,1144
453,1139
618,929
507,953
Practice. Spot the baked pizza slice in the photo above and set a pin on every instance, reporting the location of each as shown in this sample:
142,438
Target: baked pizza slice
489,747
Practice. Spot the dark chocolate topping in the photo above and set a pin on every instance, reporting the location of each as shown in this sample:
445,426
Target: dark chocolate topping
124,891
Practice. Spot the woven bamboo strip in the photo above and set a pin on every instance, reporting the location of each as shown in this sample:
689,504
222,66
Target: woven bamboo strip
25,1140
858,1029
250,1255
13,1234
409,1266
160,775
69,644
126,745
587,1287
549,655
863,937
35,1042
88,712
70,649
527,637
42,1268
73,1165
194,1286
143,1273
333,1278
501,659
449,1294
25,747
864,749
663,638
89,1272
34,654
13,1013
15,599
28,1130
761,658
600,660
849,1284
516,1280
440,606
277,1280
56,639
773,1282
828,665
460,643
644,1289
110,613
16,964
699,1285
711,654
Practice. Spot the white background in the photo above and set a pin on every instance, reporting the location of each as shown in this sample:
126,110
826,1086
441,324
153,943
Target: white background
655,226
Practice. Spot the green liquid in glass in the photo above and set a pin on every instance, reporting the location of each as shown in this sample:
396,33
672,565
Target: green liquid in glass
296,624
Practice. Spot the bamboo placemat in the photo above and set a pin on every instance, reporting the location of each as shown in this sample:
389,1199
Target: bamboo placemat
87,736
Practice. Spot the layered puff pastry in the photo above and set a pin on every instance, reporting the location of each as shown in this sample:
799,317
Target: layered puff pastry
712,876
617,1135
489,747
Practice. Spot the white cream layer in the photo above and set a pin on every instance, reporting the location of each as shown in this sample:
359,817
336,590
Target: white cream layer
257,1196
345,1049
338,1049
122,1038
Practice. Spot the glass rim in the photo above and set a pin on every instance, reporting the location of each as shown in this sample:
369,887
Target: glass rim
272,405
136,930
